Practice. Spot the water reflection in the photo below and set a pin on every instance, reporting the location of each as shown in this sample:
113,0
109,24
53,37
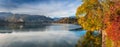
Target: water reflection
53,35
9,28
91,39
47,35
22,27
39,39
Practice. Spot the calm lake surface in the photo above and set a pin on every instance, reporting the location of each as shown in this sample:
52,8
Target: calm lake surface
42,35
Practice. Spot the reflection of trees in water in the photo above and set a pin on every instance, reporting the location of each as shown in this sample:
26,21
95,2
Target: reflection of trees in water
91,39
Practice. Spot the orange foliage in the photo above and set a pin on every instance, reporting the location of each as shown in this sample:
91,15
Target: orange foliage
113,21
94,15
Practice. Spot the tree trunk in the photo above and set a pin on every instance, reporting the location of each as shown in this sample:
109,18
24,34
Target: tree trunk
103,39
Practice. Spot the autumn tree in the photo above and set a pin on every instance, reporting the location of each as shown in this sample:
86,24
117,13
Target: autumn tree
97,15
113,22
91,14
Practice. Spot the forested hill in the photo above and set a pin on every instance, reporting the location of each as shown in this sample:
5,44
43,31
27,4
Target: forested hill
68,20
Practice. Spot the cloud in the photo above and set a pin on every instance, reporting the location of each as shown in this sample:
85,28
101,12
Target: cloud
51,8
40,39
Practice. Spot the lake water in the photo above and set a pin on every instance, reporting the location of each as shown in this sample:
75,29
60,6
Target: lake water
43,35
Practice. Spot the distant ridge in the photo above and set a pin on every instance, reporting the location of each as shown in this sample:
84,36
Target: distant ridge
10,17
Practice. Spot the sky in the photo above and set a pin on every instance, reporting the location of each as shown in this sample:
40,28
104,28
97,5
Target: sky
49,8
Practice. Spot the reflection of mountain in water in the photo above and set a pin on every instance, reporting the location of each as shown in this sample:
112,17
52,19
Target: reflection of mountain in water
34,27
23,27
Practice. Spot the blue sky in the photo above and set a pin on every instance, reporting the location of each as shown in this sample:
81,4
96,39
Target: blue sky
51,8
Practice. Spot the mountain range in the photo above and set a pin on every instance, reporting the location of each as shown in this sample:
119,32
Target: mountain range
7,17
10,17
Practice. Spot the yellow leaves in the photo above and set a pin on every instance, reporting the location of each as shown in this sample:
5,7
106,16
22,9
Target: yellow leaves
90,16
108,42
90,22
81,10
104,15
99,11
93,1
